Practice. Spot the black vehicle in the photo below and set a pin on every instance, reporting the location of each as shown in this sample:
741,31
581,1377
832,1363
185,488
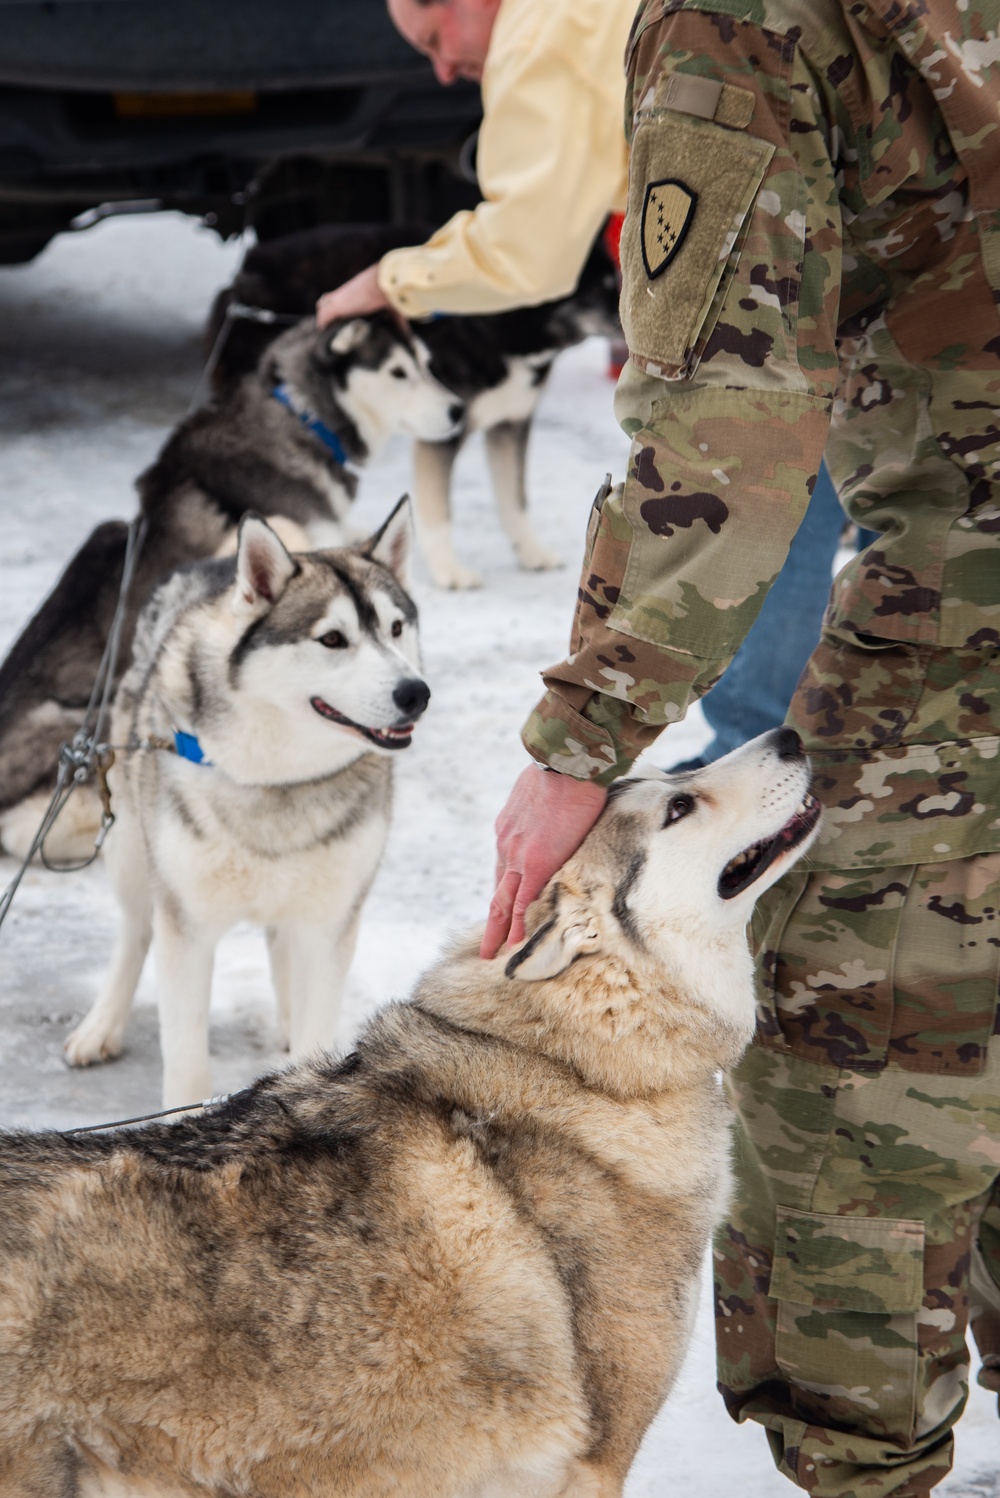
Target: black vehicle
282,115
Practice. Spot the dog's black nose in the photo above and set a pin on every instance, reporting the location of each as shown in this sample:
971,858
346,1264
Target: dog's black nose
456,412
788,744
411,697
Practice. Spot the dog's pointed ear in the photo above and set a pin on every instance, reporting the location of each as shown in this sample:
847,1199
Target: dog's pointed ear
347,337
570,933
263,567
392,543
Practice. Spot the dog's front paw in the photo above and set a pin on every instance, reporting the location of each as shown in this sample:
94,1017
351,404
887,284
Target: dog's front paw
92,1041
455,578
535,558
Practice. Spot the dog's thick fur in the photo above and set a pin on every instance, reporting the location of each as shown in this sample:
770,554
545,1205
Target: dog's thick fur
299,676
497,364
461,1263
364,379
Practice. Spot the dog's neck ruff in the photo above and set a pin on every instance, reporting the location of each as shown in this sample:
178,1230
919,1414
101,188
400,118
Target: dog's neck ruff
282,392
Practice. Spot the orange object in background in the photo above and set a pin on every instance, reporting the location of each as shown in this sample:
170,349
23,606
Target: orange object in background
618,348
165,106
612,237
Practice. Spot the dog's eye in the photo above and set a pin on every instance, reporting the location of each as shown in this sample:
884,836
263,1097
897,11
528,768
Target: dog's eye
397,628
398,374
334,640
679,807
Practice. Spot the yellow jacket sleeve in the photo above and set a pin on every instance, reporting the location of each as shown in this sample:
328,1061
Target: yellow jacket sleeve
551,163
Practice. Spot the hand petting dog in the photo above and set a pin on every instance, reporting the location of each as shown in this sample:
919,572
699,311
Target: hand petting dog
356,298
546,818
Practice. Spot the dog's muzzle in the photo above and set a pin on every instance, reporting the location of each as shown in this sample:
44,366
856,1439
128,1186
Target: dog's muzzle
411,696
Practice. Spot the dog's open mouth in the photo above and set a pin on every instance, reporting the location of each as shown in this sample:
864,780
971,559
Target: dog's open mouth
385,738
743,870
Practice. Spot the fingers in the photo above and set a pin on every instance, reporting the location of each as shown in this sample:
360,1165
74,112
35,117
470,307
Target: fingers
525,895
501,910
326,309
357,297
544,821
514,893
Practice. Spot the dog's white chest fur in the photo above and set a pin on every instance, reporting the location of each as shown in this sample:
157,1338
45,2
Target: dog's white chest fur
264,855
515,398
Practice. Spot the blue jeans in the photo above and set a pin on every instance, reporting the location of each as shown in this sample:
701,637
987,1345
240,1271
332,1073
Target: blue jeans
753,694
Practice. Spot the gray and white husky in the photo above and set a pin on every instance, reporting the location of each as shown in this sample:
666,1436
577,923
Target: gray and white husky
283,684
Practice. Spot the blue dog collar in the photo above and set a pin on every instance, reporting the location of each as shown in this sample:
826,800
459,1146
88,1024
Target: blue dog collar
312,424
186,746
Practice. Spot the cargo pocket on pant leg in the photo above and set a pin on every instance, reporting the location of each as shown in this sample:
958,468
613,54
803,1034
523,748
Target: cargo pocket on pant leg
848,1290
947,967
771,915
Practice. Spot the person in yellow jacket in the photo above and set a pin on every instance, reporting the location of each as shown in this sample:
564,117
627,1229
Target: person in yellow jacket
551,159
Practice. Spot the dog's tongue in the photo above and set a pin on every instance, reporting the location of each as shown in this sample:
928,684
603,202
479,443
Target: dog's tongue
743,870
387,738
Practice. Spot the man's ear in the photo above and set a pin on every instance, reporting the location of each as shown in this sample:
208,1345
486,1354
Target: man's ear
553,946
263,567
391,543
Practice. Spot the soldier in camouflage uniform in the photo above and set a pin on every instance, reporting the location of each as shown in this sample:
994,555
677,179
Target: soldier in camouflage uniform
811,259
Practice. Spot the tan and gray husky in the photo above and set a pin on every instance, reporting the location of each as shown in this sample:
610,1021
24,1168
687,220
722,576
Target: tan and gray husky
283,684
460,1263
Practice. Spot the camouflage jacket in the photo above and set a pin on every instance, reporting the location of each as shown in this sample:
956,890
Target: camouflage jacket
811,259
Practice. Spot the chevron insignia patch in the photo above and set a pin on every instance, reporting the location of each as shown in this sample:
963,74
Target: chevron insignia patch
666,217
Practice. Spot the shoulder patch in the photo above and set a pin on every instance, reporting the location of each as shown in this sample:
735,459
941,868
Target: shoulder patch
667,211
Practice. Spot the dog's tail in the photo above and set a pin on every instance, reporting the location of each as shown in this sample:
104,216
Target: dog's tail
46,679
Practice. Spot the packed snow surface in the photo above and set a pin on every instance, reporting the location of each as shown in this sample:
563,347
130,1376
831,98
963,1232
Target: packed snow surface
100,351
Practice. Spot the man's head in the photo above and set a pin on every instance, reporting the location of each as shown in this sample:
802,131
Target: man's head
454,34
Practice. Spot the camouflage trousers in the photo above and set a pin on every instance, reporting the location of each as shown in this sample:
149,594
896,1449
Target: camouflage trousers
867,1164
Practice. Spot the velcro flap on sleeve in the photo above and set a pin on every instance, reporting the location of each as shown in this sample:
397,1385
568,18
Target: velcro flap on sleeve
708,98
691,187
872,1264
735,108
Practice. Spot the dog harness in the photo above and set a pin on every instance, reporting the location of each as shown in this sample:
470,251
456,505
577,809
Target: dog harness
329,438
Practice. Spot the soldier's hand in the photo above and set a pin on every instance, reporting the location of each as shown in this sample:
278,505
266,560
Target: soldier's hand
545,820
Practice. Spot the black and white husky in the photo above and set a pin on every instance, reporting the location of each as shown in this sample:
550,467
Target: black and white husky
496,364
255,729
284,442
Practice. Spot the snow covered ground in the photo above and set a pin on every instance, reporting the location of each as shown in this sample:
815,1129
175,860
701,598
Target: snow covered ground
100,348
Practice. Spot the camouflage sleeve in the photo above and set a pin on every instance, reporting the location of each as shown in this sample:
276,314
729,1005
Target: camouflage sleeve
731,259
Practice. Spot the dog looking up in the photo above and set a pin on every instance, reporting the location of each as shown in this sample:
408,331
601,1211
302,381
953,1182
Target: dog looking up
278,442
461,1263
497,365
